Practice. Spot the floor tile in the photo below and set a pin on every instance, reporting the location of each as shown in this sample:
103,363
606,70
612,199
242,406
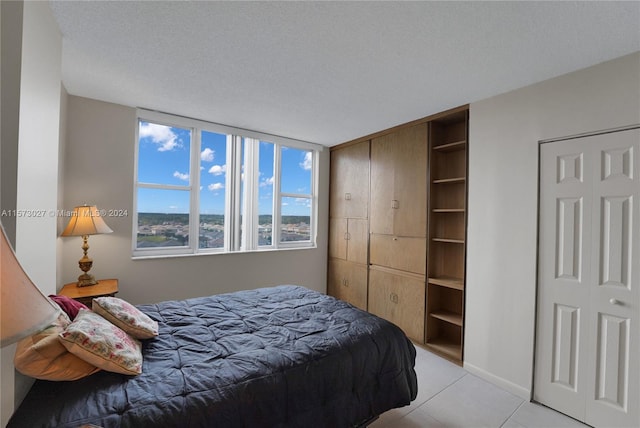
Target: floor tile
434,374
418,418
472,401
449,397
532,415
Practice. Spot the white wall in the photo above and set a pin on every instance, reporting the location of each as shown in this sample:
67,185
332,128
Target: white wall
33,161
39,131
99,170
503,182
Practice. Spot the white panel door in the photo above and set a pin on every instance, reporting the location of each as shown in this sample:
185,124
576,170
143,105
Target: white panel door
588,332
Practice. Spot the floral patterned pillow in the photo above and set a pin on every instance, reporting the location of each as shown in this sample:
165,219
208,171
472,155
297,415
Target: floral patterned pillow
126,316
97,341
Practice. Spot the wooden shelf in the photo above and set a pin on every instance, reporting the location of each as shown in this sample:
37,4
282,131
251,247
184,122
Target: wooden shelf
448,316
448,210
452,180
448,240
447,349
448,170
455,283
450,147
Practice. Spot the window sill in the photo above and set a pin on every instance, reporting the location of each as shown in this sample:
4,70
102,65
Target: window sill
201,254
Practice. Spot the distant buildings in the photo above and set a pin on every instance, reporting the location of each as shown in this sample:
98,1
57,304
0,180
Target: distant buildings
173,233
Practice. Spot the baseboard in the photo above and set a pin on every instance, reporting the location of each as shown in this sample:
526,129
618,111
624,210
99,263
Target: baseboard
511,387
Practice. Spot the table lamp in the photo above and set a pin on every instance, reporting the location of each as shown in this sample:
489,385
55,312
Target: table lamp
86,220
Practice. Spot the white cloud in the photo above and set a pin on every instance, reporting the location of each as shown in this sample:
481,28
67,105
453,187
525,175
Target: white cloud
181,176
207,155
307,163
267,182
215,186
218,169
161,135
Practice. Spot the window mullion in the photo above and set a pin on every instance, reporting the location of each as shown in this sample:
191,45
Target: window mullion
250,206
277,196
232,202
194,182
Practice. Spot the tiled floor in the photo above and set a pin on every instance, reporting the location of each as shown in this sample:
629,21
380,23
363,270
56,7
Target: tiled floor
449,396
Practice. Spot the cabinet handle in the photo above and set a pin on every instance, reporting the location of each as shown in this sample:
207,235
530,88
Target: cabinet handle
615,302
393,297
347,236
395,204
347,196
345,282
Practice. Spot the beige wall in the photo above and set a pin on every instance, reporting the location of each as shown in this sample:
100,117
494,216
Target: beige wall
503,183
99,170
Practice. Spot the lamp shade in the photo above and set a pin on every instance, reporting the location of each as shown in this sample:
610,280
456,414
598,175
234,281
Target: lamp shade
24,309
86,220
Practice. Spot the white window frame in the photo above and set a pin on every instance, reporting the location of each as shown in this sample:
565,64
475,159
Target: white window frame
250,215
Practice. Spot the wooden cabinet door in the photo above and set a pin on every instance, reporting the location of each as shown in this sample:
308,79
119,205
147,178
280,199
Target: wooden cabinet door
337,238
400,298
348,239
349,186
399,182
407,254
357,240
348,281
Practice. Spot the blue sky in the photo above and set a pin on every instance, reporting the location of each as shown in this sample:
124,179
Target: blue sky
164,159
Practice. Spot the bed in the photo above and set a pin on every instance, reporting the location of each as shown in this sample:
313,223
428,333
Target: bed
282,356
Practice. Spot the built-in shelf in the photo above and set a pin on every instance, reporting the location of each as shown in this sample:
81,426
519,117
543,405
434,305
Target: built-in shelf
447,349
450,147
447,316
452,180
455,283
448,240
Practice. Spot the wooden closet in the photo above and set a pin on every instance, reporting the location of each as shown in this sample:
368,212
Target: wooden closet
397,227
349,224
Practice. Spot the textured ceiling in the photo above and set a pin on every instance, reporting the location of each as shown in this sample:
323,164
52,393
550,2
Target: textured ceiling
328,72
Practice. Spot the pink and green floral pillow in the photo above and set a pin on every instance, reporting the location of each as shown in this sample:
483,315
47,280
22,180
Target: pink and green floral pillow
97,341
126,316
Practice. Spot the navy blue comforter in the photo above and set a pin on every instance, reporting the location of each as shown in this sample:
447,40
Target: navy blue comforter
274,357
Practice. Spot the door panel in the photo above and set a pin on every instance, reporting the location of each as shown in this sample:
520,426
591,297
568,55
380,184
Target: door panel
588,333
407,254
349,185
398,297
357,240
399,182
614,362
564,275
348,281
337,238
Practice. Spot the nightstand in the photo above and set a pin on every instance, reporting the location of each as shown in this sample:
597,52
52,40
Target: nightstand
85,295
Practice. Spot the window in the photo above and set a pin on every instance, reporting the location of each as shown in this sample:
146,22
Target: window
208,188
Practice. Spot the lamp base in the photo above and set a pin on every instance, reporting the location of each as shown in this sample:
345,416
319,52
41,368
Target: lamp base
86,279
